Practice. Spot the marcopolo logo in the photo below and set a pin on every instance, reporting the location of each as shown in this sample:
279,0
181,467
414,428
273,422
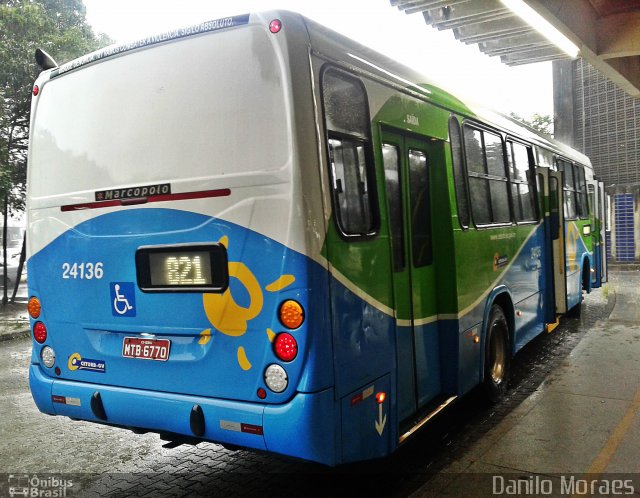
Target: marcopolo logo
133,192
38,486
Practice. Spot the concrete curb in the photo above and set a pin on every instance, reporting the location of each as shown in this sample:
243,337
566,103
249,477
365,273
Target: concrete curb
611,303
17,334
622,267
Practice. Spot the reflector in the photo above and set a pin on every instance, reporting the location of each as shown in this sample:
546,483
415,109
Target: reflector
275,26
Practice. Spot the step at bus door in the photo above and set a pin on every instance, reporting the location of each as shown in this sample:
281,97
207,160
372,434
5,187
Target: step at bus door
407,162
550,186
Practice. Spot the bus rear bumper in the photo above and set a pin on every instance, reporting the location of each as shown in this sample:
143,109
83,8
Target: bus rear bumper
298,428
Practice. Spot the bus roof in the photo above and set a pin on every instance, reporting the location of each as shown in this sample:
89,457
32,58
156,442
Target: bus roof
364,58
368,60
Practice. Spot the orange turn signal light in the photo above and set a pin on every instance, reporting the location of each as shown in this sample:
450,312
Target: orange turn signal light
34,308
291,314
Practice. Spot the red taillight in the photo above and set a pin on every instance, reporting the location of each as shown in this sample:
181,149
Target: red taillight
262,393
285,346
40,332
380,397
34,308
275,26
36,90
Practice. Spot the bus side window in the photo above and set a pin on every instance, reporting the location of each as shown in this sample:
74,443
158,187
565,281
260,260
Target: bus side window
570,198
488,183
347,122
581,187
420,208
459,175
592,197
391,160
521,178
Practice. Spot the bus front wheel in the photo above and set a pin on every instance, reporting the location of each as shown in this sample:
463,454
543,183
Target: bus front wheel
497,357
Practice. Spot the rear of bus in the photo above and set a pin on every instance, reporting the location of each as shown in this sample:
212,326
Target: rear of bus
174,221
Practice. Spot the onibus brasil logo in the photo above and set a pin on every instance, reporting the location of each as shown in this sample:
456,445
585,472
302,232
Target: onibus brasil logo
33,485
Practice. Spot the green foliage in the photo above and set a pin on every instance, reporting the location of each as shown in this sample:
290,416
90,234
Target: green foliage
543,124
60,28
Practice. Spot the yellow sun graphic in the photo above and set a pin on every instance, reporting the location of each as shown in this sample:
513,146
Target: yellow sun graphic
229,317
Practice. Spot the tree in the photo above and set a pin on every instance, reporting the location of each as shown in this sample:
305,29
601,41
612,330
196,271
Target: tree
60,28
538,122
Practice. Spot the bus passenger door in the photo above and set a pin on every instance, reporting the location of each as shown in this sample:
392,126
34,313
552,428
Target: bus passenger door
598,231
602,221
550,185
594,209
407,160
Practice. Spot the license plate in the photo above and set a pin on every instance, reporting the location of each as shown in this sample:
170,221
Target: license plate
146,349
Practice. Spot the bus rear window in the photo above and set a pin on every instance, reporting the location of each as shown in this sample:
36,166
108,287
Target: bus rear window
163,114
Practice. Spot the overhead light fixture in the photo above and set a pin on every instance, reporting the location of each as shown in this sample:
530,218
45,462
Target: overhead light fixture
542,26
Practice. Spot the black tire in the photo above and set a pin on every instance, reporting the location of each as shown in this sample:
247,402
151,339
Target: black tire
497,359
576,311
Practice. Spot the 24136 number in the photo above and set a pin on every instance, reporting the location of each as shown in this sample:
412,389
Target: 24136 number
83,271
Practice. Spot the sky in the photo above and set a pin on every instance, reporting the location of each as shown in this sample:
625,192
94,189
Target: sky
462,69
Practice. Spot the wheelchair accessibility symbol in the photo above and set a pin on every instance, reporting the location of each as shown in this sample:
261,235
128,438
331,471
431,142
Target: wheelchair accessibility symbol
123,299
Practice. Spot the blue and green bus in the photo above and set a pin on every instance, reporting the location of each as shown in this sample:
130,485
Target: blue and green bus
258,232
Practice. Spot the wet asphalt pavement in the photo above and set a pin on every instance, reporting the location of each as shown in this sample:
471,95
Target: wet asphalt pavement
104,461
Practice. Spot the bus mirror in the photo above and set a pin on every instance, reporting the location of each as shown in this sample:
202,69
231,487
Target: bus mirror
44,60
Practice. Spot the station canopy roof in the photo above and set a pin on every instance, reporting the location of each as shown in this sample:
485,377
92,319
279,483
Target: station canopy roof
606,32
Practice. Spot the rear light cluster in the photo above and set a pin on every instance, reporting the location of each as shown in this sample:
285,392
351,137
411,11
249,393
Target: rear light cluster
291,314
34,308
47,354
276,378
40,332
285,347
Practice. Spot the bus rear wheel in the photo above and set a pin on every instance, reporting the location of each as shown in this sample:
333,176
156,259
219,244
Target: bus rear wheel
576,311
497,357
